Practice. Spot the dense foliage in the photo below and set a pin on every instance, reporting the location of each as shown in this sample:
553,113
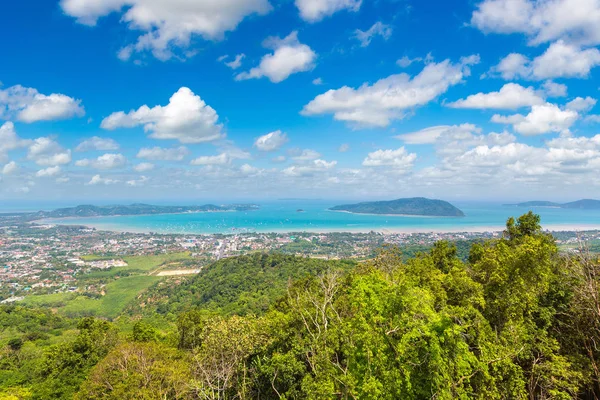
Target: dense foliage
517,320
239,285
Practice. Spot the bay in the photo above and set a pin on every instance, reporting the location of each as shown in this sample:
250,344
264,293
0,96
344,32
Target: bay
284,216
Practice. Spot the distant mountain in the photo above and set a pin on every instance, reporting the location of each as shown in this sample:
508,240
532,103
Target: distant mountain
585,204
132,209
410,206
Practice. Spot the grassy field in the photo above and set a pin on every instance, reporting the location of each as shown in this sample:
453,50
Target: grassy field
119,291
118,294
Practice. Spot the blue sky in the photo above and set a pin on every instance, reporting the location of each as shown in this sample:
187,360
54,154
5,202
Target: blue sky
252,99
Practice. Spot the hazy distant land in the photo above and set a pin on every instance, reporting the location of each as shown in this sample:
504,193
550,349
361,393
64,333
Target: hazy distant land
585,204
415,206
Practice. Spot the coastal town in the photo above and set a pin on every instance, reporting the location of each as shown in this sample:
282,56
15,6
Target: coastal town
44,259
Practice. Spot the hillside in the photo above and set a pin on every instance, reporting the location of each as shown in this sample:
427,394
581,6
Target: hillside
585,204
239,285
409,206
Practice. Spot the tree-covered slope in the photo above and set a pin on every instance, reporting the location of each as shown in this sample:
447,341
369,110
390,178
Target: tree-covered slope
409,206
239,285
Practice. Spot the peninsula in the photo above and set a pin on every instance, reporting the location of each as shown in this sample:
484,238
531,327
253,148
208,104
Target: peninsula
585,204
132,209
417,206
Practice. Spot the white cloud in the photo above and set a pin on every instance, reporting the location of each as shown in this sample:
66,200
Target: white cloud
271,141
389,98
344,147
187,118
542,119
554,89
105,161
317,81
432,134
316,10
98,180
378,29
248,169
581,105
560,60
237,62
593,118
9,140
168,25
406,61
278,159
45,151
98,144
162,154
400,159
307,155
511,96
289,57
10,168
220,159
143,167
28,105
48,172
575,21
310,168
138,182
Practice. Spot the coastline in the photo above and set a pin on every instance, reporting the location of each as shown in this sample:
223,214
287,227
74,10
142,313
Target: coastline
380,230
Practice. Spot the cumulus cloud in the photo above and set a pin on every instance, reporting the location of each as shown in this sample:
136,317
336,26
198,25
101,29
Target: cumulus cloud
511,96
271,141
581,105
378,29
310,168
163,154
187,118
220,159
10,168
554,89
316,10
98,180
9,140
45,151
143,167
431,134
105,161
390,98
28,105
289,57
248,170
575,21
560,60
400,159
48,172
137,182
317,81
542,119
97,144
167,26
307,155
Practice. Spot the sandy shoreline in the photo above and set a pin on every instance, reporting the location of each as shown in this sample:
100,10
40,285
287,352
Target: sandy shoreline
382,230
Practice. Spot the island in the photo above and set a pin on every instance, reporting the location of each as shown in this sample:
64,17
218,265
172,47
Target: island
415,206
585,204
121,210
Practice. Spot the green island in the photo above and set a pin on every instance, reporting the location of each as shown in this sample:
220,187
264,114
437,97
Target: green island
509,317
585,204
417,206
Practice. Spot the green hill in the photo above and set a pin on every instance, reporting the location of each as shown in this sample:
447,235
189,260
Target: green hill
585,204
410,206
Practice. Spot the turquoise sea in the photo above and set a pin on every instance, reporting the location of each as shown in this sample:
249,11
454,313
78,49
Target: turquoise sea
283,216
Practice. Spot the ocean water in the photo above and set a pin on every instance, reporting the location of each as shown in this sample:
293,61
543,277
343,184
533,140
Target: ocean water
283,216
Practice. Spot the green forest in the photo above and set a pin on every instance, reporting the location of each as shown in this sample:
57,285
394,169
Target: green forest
513,319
